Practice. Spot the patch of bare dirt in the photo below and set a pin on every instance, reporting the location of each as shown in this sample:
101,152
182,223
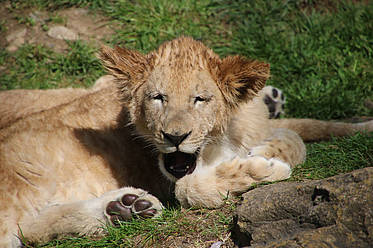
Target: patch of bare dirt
51,29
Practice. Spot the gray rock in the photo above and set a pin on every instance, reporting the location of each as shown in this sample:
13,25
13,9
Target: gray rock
62,33
333,212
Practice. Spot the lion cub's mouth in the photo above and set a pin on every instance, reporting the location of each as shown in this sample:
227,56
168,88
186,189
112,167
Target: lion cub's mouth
180,164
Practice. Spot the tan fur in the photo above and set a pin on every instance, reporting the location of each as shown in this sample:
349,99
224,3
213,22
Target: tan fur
64,154
17,104
314,130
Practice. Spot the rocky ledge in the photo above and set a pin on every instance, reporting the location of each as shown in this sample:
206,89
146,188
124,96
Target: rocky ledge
333,212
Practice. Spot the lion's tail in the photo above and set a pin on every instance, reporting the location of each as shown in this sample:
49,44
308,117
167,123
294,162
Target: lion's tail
313,130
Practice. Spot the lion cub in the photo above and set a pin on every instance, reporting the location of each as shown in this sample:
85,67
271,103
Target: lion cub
73,160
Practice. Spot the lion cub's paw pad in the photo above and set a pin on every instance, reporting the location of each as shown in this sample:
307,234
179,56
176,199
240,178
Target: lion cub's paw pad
275,100
128,207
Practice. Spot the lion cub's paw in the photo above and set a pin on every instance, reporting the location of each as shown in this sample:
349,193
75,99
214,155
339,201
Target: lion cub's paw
275,100
132,205
281,170
263,169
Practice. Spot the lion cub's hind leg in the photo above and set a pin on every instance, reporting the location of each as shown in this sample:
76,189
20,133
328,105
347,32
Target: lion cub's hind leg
88,217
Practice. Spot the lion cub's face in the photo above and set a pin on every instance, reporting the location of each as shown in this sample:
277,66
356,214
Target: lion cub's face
183,110
181,96
180,109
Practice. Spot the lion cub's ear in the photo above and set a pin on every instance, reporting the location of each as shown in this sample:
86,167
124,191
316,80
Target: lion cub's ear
129,66
240,79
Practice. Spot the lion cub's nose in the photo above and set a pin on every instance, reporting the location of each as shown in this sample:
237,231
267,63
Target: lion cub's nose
175,139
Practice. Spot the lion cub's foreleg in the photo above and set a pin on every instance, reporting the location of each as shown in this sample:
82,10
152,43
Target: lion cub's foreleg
270,161
88,217
284,145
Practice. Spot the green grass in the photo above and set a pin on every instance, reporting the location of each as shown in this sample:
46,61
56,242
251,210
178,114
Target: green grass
322,59
339,155
321,55
196,227
36,67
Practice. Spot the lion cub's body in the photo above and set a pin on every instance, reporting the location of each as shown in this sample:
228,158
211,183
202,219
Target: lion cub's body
71,152
64,161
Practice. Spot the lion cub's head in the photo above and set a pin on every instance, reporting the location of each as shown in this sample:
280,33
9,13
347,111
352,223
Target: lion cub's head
181,96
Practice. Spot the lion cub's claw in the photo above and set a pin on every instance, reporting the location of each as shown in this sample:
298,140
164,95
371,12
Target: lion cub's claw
128,207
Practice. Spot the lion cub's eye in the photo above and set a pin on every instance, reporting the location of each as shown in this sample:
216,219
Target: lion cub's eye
200,99
159,97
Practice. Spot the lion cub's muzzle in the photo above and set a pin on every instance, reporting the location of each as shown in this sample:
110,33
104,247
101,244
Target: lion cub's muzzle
175,139
180,164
